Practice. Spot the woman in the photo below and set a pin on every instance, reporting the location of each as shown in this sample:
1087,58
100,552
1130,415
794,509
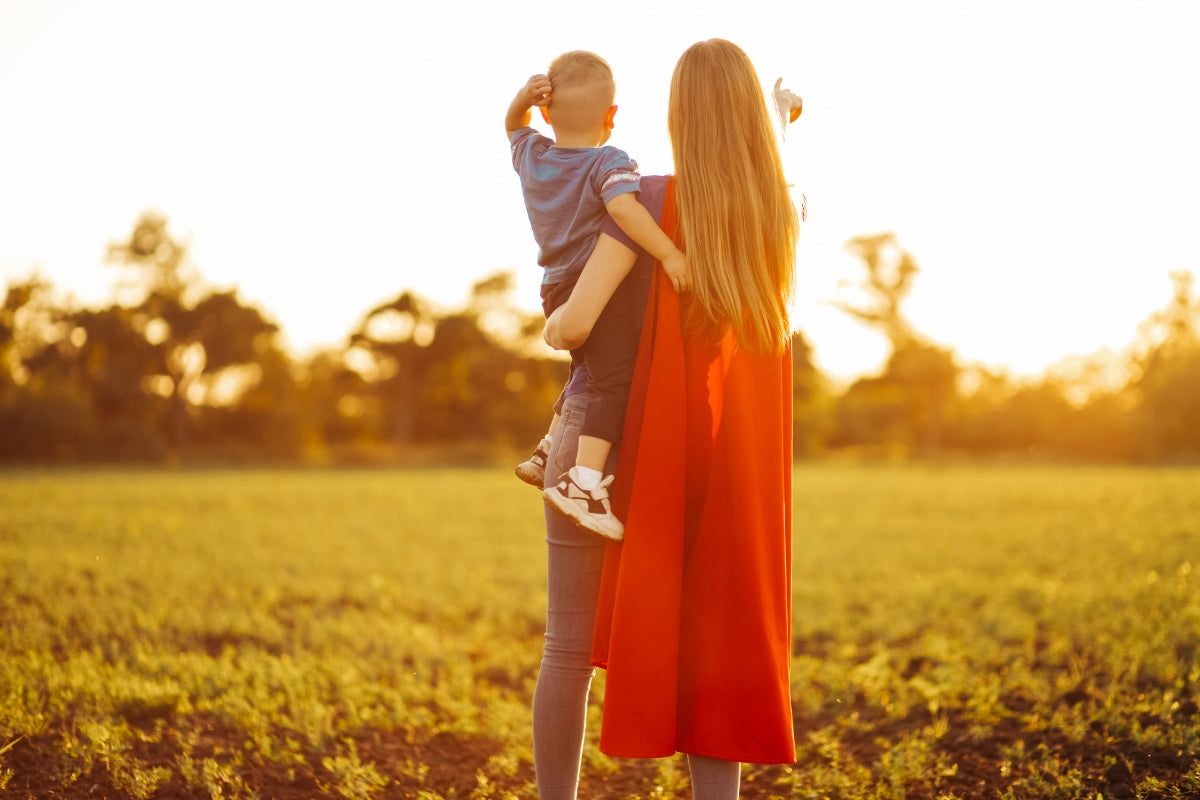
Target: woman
691,613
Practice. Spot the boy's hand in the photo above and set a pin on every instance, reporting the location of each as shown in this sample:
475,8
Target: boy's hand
675,266
536,91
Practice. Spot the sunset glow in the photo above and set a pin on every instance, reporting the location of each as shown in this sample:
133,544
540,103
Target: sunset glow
1038,160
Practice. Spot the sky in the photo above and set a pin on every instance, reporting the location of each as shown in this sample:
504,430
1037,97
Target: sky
1038,159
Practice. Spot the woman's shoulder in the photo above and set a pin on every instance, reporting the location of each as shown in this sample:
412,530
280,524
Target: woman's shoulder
652,190
655,183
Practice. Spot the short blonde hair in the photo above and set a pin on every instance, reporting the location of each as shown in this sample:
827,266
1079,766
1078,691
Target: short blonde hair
737,222
582,89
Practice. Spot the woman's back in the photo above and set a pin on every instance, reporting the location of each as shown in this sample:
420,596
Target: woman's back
737,221
694,615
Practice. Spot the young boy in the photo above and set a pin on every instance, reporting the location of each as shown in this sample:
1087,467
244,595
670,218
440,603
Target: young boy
569,184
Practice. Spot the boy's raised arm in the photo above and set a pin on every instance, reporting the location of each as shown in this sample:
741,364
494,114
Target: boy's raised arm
535,92
640,226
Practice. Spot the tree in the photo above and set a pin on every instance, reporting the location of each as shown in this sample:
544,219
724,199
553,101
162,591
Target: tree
457,376
487,383
811,414
906,406
890,273
1168,383
21,301
339,412
159,262
42,419
389,350
108,363
211,349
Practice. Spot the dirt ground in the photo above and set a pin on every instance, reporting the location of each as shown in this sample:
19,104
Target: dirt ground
453,762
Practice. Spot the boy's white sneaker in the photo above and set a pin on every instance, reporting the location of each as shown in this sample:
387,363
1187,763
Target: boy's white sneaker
533,469
589,510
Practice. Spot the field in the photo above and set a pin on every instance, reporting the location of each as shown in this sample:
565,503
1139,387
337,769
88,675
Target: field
960,632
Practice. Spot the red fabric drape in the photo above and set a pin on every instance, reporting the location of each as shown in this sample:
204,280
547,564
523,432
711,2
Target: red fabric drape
694,617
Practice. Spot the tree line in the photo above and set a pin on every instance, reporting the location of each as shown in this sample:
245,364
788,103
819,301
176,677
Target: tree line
174,371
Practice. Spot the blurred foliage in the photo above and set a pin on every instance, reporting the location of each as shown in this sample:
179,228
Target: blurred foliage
1141,406
176,371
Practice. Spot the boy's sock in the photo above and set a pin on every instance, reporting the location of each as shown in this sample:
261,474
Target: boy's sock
587,478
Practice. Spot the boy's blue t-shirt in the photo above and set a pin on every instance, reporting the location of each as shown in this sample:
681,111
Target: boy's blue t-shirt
566,190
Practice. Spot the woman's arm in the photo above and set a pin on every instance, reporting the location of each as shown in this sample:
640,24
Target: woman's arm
571,324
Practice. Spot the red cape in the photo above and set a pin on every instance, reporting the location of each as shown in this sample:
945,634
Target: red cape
694,617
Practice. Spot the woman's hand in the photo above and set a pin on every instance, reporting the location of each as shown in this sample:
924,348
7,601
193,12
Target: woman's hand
552,333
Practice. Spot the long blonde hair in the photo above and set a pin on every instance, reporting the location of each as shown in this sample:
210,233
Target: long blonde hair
737,222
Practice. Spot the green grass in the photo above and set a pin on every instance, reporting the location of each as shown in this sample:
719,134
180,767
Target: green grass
968,631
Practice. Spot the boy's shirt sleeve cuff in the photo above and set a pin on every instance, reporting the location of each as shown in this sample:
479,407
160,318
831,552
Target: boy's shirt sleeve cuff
619,183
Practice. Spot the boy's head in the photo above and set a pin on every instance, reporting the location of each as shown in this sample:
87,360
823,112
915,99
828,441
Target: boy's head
581,96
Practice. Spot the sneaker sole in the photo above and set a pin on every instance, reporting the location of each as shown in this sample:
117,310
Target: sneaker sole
531,477
570,509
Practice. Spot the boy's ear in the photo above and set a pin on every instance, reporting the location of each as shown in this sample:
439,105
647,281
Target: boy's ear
608,118
545,114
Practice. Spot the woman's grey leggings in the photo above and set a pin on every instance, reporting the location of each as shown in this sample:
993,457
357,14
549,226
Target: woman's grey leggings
574,562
